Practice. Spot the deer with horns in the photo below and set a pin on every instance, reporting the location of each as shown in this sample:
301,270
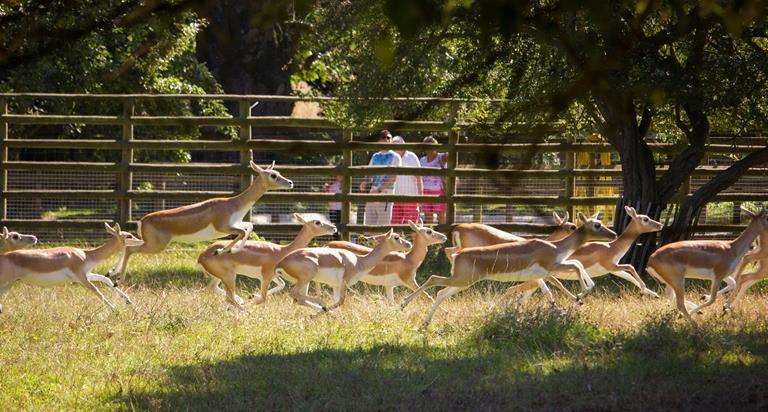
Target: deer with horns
207,220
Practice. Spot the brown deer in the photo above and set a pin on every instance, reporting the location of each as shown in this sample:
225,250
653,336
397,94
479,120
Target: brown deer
713,260
257,259
207,220
515,262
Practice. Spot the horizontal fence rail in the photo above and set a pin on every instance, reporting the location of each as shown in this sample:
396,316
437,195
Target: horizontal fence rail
126,166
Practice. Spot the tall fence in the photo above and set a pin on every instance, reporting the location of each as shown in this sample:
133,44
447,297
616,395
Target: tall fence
568,183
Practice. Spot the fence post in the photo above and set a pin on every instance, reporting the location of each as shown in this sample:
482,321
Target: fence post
125,177
452,163
246,155
570,181
3,158
346,186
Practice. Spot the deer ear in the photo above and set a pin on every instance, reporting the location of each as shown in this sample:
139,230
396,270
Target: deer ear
421,222
413,226
630,211
566,217
391,232
272,166
596,216
5,232
116,228
580,216
256,168
109,228
558,219
299,218
748,212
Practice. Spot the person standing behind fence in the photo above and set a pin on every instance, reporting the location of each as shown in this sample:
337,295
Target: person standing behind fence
407,185
433,185
380,213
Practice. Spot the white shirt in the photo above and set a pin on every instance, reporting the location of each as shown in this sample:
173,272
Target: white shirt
406,185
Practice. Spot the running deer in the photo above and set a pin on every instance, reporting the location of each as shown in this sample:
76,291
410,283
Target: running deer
10,241
515,262
51,267
467,235
398,269
714,260
745,280
207,220
257,259
602,258
338,268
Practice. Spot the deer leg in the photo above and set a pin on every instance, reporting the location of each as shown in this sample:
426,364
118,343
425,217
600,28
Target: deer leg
339,294
280,286
441,296
266,279
413,286
390,292
214,286
434,281
241,230
525,287
628,272
230,287
83,279
743,284
95,277
3,290
712,296
303,299
555,281
573,266
154,242
730,283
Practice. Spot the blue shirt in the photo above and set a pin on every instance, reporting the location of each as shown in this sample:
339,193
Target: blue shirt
388,158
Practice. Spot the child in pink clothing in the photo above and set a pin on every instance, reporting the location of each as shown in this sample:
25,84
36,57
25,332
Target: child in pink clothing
433,185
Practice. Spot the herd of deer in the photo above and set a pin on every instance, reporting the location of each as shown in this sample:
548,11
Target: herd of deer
579,251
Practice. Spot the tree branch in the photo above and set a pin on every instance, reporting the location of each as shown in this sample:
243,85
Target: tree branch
729,176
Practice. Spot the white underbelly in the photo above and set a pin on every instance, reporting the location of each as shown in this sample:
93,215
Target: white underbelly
700,273
330,276
249,271
593,272
391,279
58,277
529,273
208,233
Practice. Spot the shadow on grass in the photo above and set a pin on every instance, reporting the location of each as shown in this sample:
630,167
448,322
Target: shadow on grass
523,360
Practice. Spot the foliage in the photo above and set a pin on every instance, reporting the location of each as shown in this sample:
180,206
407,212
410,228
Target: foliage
153,54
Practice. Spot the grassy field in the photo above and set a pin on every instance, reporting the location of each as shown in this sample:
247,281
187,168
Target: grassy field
179,348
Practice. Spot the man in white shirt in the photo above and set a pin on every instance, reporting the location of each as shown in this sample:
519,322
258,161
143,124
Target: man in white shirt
407,185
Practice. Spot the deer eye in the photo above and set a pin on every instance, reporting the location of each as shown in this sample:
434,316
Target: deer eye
597,225
273,176
15,236
317,223
645,219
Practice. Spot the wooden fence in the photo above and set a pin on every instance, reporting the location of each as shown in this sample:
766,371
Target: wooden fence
245,145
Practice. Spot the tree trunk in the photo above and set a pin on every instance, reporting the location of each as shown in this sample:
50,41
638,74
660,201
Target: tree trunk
248,50
638,170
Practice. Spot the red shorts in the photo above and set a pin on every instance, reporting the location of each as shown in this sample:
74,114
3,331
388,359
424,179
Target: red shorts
403,212
429,208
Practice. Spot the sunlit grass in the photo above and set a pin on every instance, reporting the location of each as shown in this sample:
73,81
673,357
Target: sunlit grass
181,348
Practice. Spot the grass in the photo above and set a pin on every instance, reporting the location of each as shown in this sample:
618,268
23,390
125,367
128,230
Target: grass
183,349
